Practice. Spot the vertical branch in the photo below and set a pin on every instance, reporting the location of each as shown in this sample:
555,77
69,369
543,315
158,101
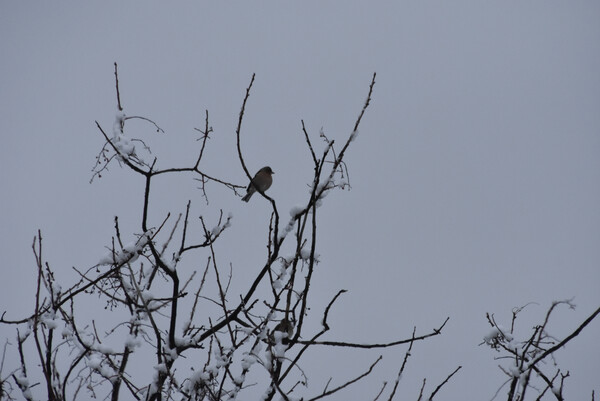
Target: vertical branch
312,152
45,361
239,128
406,355
367,102
117,86
207,130
219,285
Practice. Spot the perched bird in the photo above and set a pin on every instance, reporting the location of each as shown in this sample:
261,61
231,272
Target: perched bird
261,182
286,328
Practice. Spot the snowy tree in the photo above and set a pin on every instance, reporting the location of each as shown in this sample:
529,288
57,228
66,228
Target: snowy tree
173,334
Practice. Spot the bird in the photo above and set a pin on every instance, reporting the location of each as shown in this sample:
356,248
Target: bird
261,182
286,327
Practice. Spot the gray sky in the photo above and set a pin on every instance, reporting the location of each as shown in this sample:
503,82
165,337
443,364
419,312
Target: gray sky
475,176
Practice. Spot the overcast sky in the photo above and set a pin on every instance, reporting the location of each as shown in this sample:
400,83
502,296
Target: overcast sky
475,176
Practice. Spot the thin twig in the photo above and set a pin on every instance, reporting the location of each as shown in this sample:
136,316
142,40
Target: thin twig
442,383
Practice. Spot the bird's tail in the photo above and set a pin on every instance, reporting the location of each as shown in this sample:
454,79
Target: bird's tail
247,197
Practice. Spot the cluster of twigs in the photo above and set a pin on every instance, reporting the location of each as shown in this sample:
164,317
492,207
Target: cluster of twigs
527,358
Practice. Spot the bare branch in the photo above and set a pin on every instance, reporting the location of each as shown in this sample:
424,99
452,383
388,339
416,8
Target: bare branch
435,332
336,389
442,383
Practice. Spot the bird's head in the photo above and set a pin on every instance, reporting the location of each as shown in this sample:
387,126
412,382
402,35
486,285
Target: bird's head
267,170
